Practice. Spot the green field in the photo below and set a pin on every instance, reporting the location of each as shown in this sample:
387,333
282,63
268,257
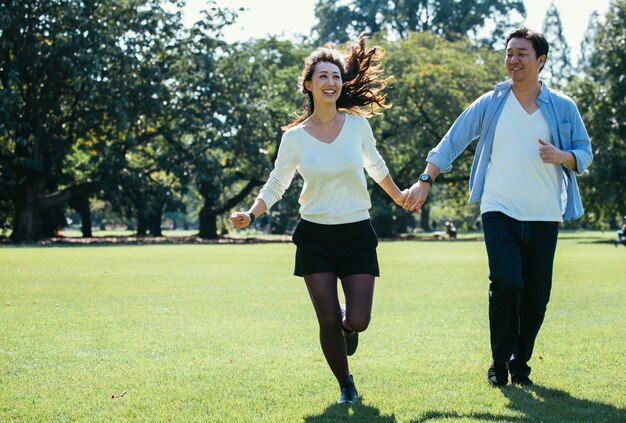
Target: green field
225,333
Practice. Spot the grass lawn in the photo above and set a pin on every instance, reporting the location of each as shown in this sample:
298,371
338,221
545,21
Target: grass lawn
225,333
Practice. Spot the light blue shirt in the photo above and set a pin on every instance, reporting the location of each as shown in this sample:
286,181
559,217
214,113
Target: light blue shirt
479,121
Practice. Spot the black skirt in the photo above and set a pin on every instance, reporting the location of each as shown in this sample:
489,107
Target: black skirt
344,249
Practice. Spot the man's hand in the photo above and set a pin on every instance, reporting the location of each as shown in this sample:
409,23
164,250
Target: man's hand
417,196
550,154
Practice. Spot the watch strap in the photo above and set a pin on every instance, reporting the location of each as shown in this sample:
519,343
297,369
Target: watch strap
426,178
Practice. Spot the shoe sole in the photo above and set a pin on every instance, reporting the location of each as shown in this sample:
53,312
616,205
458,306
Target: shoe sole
351,338
352,342
496,385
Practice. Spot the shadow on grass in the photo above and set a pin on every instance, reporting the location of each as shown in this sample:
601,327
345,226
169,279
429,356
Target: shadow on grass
540,404
612,242
350,413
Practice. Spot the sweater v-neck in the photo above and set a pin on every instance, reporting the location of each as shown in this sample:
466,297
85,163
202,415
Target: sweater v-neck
343,125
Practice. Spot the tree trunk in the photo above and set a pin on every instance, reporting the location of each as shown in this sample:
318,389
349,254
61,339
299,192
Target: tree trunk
155,217
425,219
52,221
52,215
208,222
85,225
142,223
26,225
27,220
32,203
81,205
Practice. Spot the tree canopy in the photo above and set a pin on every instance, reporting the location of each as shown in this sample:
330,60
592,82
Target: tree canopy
450,19
118,104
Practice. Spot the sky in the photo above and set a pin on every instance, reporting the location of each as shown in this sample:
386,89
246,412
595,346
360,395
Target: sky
288,18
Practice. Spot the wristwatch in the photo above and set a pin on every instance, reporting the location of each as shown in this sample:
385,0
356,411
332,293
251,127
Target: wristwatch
251,216
425,177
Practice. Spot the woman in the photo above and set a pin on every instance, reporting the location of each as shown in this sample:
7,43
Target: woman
329,144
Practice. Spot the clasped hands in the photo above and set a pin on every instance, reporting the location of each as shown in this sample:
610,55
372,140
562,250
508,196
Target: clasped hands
413,198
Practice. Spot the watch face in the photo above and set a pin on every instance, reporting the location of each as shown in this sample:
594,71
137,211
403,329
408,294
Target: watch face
424,178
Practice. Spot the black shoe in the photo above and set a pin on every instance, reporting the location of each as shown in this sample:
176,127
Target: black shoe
351,336
521,380
498,374
348,392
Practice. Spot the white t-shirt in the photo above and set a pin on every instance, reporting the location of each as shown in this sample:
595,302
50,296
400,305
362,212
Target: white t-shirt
335,190
518,183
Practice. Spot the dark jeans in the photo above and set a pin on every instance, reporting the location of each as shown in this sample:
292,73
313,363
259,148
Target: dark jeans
521,255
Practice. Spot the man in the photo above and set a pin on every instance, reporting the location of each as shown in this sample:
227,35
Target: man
532,143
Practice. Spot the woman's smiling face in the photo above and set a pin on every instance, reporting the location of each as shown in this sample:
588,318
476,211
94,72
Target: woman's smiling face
325,83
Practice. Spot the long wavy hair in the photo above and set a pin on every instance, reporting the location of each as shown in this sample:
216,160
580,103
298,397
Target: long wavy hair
361,74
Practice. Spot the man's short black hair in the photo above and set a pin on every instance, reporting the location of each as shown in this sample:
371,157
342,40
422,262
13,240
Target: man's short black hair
539,41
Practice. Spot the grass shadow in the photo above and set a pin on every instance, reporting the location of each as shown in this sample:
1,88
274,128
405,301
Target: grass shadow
541,404
600,241
358,412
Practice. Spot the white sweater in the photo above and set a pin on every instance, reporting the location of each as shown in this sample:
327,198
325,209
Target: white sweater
335,190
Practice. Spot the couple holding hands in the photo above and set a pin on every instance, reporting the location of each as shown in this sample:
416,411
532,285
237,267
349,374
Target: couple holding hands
532,143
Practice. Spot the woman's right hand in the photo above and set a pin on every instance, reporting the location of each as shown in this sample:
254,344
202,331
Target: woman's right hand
240,219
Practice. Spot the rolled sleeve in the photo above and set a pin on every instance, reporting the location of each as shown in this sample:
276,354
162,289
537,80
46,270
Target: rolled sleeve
581,144
436,158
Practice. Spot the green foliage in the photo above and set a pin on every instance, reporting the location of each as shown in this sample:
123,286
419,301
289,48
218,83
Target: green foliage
116,103
451,19
225,333
601,98
587,46
255,95
83,84
558,69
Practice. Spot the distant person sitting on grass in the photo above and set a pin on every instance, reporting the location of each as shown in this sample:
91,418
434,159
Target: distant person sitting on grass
532,143
450,229
621,235
329,144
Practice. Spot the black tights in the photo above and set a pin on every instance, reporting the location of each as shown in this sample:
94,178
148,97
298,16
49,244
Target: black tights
359,292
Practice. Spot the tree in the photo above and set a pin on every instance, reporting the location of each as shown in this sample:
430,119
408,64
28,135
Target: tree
75,81
239,123
558,69
601,97
451,19
587,46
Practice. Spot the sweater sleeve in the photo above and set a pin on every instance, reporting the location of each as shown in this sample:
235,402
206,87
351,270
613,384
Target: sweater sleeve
284,169
372,160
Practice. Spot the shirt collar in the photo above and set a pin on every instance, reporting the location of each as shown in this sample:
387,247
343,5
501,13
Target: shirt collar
544,94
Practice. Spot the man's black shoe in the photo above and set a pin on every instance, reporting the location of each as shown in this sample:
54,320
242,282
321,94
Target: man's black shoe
521,380
348,392
351,336
498,374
